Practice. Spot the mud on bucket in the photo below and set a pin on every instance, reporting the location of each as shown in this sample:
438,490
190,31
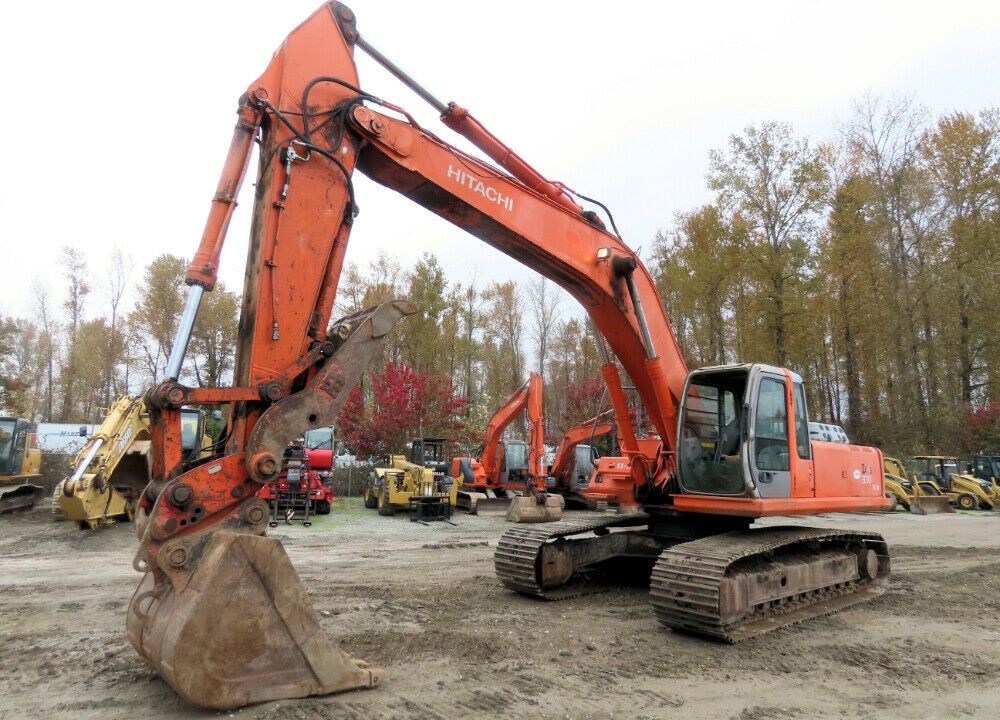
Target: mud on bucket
240,631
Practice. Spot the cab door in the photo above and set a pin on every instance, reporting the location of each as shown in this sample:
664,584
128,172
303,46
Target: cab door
770,456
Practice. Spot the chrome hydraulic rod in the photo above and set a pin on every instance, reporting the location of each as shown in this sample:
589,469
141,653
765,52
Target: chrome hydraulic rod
184,330
78,473
400,74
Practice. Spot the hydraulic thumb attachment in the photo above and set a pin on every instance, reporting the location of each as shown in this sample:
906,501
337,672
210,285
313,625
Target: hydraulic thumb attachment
221,613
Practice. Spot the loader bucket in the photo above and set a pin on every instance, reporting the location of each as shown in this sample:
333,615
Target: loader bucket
527,509
239,630
930,505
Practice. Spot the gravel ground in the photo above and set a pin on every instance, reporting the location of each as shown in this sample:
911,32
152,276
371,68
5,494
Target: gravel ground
422,602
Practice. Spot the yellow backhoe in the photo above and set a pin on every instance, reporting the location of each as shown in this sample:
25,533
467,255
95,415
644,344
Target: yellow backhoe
921,497
985,467
965,490
114,465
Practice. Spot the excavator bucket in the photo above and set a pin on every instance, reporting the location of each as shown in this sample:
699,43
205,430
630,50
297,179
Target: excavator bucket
239,629
486,504
529,509
493,506
930,505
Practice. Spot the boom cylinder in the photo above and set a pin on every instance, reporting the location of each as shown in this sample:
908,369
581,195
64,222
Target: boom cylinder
85,463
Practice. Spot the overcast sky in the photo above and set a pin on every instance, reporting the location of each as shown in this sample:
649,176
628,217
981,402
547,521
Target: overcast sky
119,114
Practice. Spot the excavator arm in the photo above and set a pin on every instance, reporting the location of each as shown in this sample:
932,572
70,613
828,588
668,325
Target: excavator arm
115,457
591,264
598,426
528,398
314,126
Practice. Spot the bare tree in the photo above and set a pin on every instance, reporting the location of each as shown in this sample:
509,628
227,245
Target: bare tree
543,302
46,346
115,284
77,289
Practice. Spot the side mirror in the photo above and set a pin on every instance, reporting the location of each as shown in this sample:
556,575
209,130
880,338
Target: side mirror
83,431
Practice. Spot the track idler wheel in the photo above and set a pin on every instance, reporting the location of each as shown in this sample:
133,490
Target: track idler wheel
231,625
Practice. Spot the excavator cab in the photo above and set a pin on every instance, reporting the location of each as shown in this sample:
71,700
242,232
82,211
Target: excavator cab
582,467
193,439
513,462
744,429
20,463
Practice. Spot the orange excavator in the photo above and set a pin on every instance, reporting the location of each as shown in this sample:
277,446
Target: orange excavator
221,614
573,464
507,469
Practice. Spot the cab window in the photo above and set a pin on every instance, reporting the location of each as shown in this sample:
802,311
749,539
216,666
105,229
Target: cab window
771,426
802,443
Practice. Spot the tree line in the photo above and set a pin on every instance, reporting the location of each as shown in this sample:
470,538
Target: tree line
85,349
868,263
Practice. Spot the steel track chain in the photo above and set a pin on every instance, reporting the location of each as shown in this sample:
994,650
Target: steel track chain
686,581
516,556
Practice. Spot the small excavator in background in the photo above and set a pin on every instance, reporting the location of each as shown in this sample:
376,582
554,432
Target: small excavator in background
20,465
221,614
576,459
115,464
507,469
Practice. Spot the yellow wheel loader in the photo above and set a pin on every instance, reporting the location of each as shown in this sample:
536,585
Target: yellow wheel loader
20,465
417,482
114,465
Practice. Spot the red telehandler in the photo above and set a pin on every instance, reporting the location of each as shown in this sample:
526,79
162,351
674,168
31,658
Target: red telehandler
221,614
298,491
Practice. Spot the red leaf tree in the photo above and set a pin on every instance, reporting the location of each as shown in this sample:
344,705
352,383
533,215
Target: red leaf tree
402,404
583,399
586,398
981,428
